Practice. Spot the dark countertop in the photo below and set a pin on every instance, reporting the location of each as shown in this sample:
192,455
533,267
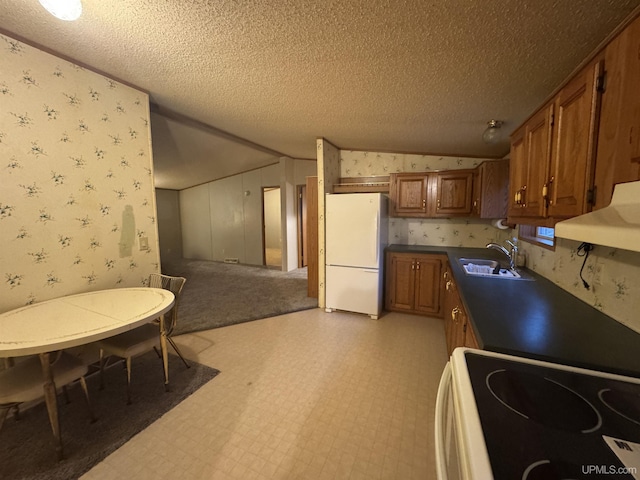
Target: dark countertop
537,319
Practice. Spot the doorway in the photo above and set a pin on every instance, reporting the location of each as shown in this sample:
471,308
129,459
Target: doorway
272,227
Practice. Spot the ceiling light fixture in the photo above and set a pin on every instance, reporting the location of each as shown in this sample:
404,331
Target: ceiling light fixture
63,9
492,134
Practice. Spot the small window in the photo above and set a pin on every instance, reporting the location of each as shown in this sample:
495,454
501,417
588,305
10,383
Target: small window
543,236
545,233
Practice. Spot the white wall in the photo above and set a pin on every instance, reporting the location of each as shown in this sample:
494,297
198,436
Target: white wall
252,201
223,219
169,229
226,208
196,223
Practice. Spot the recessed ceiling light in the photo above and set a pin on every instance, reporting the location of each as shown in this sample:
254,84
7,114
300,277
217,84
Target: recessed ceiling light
63,9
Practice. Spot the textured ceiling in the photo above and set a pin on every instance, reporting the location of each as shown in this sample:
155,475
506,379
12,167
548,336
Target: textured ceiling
380,75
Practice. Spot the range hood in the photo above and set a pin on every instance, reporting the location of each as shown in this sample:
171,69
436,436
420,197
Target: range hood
617,225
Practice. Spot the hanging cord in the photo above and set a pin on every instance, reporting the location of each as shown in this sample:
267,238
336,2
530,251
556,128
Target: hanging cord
583,251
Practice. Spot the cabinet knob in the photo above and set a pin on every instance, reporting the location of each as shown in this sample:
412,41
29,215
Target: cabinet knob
424,202
438,204
454,314
447,285
417,265
445,275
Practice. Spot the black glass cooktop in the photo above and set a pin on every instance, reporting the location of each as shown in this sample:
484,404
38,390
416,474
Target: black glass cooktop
546,423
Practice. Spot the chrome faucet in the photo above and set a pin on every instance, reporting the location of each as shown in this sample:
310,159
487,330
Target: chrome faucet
511,254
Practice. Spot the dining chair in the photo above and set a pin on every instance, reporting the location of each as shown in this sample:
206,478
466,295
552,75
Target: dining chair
147,337
24,381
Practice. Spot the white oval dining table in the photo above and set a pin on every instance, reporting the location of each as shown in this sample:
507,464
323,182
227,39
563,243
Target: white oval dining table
70,321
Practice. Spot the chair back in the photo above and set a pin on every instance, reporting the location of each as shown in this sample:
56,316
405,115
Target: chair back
174,285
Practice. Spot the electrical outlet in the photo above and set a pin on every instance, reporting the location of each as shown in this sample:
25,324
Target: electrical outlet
144,243
598,273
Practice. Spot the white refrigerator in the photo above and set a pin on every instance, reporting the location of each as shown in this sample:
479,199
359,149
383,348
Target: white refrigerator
355,236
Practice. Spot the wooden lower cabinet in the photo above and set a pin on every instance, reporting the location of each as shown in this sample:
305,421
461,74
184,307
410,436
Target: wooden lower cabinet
458,329
413,283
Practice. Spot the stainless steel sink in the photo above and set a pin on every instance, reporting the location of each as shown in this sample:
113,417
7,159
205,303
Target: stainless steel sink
481,267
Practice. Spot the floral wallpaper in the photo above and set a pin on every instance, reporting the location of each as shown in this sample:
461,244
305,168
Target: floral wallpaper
447,232
613,276
77,201
452,232
354,163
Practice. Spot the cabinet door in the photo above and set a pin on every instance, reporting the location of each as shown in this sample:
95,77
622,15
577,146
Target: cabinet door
428,293
400,282
449,303
517,174
470,339
538,153
618,155
571,169
460,321
409,194
455,319
454,193
491,189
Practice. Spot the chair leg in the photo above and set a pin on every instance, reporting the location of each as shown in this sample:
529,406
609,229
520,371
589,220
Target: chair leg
83,383
67,400
101,369
3,415
128,380
175,347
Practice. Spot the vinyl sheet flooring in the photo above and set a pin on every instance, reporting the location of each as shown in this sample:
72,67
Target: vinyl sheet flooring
306,395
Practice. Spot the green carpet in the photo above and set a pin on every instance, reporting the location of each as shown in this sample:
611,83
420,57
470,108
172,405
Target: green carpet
27,448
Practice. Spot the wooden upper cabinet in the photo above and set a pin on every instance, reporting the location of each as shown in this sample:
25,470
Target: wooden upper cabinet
454,193
572,159
552,155
618,151
538,152
517,173
409,194
481,191
491,189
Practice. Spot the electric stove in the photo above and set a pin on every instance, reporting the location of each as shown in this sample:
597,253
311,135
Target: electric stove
535,420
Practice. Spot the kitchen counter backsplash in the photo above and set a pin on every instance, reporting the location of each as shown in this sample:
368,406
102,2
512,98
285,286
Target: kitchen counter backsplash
615,293
445,232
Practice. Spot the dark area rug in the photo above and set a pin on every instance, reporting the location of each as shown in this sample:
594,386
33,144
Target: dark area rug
27,448
218,294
